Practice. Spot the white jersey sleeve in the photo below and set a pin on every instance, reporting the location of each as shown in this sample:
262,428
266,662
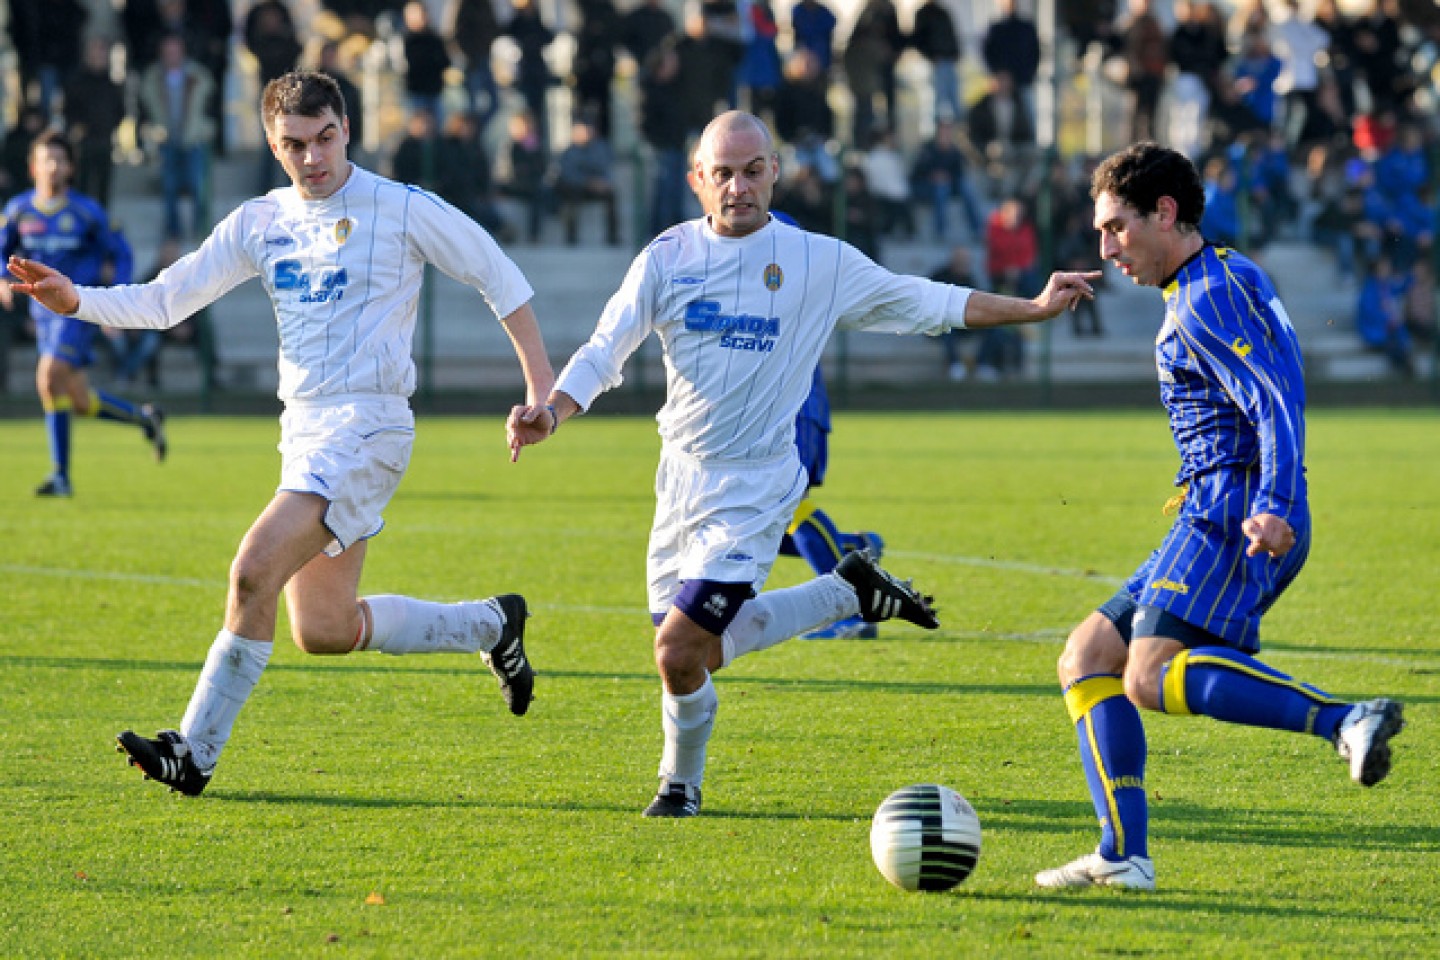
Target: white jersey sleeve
624,325
185,287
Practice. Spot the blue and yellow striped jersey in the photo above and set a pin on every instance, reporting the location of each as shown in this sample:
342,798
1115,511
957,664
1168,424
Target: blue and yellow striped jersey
72,234
1232,378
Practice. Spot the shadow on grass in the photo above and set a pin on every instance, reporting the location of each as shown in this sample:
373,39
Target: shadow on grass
1171,820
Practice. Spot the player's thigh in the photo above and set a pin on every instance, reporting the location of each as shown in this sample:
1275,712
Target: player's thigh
285,537
321,600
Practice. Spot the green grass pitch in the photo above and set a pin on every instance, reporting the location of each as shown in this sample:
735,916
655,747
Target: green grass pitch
389,807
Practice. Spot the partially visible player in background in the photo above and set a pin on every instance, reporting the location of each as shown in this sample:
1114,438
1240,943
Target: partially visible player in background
342,253
1181,635
812,535
54,225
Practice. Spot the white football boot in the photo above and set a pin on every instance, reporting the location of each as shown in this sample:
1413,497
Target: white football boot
1364,739
1093,870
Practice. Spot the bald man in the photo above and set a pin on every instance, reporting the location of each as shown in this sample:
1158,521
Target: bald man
743,305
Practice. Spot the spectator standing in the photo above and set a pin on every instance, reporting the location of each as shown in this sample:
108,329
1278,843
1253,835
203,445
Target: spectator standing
760,65
270,36
473,28
593,68
462,173
46,35
207,25
1220,222
874,46
707,68
724,34
1146,59
1012,47
934,37
1341,30
531,34
15,154
176,94
331,66
644,28
1377,53
1301,45
862,216
426,60
584,174
1000,125
94,107
812,24
143,27
1197,49
662,124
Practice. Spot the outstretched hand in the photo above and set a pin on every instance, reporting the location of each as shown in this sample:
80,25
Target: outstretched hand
1268,534
1065,290
46,284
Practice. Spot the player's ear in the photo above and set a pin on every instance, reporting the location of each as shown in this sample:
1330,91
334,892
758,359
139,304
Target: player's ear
1165,211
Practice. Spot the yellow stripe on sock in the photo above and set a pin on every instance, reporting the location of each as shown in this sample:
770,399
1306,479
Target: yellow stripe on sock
60,404
94,410
1172,693
1082,695
802,513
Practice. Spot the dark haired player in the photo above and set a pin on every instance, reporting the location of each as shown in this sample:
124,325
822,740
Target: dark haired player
69,231
1179,637
341,252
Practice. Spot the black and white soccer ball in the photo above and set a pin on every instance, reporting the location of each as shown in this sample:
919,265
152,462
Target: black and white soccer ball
925,837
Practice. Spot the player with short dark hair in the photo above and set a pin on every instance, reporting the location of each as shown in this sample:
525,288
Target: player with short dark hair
1181,635
69,231
342,253
743,306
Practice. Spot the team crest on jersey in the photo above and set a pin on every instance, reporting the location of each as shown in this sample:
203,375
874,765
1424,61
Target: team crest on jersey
774,277
343,228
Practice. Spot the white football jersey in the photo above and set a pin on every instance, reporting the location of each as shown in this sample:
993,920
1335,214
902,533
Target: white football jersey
742,322
343,273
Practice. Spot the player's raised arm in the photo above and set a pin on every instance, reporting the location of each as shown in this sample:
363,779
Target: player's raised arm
47,285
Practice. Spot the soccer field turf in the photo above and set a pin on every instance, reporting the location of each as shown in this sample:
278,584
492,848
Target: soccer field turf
391,807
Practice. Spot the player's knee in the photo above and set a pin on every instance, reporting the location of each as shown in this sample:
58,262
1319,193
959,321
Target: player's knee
1142,687
322,639
678,660
1086,653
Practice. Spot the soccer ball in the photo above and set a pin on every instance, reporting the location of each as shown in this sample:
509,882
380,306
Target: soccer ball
925,837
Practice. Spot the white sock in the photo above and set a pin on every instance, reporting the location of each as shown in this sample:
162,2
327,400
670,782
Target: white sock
778,615
688,720
231,671
401,625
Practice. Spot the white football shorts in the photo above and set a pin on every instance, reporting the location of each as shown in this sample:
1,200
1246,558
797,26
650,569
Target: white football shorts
719,521
351,453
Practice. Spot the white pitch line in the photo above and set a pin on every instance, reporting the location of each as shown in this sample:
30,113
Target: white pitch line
1018,566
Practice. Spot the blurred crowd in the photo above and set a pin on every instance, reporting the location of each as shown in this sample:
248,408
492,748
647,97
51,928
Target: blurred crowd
1310,119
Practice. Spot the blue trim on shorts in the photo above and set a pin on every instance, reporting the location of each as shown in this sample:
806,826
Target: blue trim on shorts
712,604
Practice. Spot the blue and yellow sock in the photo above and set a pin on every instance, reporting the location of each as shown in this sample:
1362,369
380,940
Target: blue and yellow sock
815,537
1228,685
57,429
1112,748
105,406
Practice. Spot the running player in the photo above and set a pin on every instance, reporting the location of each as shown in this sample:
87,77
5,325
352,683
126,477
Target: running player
341,252
54,225
1181,635
743,306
